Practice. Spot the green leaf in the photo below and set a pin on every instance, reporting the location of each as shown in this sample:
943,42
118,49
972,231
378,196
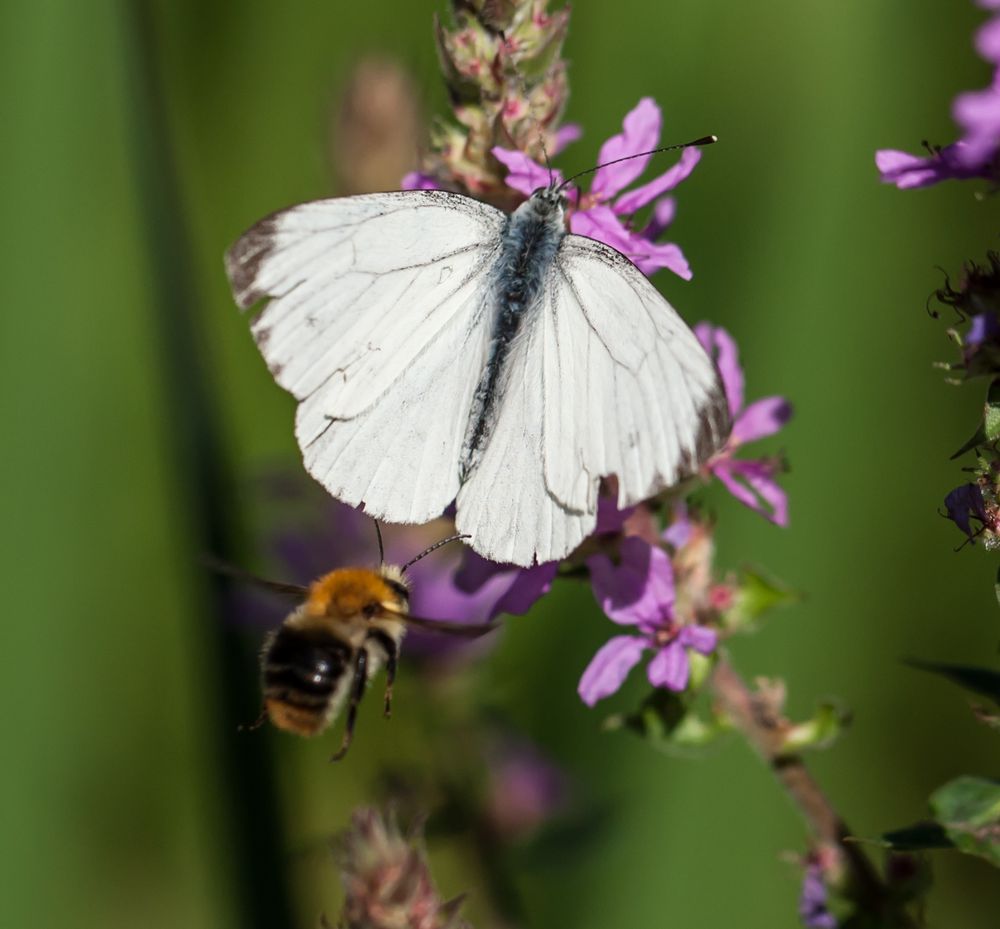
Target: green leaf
668,722
826,726
969,810
980,681
756,593
989,429
919,837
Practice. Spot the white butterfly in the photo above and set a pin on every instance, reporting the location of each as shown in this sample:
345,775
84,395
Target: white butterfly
442,350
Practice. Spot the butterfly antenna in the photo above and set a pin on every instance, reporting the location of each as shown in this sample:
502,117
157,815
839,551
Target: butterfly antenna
548,164
704,140
381,548
433,548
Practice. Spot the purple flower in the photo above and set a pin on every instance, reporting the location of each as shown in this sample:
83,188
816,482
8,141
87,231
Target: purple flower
505,588
813,901
752,481
984,327
515,590
639,592
416,180
525,788
605,211
338,536
976,112
907,171
964,504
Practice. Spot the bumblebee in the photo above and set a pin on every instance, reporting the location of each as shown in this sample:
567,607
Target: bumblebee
349,624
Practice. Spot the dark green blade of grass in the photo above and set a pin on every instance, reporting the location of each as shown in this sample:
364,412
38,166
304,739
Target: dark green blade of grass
255,840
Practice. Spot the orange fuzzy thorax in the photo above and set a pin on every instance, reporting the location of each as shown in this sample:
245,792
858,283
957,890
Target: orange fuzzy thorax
346,591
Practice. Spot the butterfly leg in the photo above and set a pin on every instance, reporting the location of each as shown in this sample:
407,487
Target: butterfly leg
357,692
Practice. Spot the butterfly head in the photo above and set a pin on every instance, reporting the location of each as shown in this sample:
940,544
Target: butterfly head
548,202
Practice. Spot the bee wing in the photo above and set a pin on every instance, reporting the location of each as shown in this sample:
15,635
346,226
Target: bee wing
444,626
279,587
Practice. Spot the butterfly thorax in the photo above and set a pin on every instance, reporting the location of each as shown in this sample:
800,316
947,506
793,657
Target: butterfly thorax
528,245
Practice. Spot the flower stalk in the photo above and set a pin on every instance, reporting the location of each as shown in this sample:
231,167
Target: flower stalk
847,867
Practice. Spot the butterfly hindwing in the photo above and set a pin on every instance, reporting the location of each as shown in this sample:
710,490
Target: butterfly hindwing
645,404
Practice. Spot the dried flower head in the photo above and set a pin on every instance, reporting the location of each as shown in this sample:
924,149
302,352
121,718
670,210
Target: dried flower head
503,67
387,883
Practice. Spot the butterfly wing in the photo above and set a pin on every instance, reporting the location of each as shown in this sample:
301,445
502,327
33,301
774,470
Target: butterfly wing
378,324
606,379
646,402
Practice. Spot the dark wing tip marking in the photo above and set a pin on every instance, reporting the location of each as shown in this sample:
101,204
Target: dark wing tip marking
714,425
244,258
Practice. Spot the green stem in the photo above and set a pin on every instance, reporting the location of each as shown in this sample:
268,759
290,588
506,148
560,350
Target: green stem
762,731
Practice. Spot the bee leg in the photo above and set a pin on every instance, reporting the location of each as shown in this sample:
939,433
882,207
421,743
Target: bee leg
357,692
256,724
391,649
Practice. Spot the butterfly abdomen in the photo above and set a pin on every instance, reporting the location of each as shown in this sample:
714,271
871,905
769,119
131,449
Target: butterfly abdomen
529,243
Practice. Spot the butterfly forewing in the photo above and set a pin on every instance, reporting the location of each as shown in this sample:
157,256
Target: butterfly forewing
378,324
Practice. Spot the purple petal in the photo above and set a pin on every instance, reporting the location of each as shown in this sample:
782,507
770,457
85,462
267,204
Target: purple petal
641,133
609,517
988,41
964,503
759,490
911,171
722,349
982,327
813,910
565,135
416,180
700,638
676,535
670,667
609,668
601,223
525,787
761,418
649,257
507,589
664,211
638,198
978,113
529,585
638,591
475,571
523,174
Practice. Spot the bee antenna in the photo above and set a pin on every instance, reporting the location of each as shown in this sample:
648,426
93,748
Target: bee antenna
434,548
704,140
381,548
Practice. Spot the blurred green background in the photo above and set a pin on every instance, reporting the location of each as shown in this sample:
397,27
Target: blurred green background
119,784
